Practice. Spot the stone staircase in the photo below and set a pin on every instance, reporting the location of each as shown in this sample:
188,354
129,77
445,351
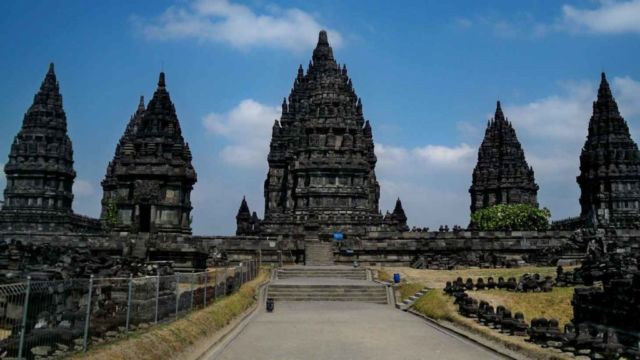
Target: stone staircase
325,283
319,272
318,253
328,292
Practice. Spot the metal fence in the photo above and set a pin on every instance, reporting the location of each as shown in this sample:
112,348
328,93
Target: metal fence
50,319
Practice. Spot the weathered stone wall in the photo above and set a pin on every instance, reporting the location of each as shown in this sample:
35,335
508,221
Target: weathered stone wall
380,248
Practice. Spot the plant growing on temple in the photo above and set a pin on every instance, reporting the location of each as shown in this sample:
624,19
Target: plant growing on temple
510,217
111,217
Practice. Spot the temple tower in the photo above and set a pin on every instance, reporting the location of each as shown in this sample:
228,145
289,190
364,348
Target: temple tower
38,195
148,183
502,175
321,176
609,167
246,222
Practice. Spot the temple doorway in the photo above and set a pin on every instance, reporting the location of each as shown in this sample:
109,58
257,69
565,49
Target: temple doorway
145,218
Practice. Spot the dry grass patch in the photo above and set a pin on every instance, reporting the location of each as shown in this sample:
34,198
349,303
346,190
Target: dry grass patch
555,304
167,341
436,305
436,279
407,289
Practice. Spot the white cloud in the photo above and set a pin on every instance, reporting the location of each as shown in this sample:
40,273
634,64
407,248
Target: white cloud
560,117
83,188
628,95
444,155
247,129
432,181
611,17
237,25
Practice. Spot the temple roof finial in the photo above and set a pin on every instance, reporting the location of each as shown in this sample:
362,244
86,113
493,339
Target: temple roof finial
323,38
499,114
161,82
141,103
604,91
51,70
244,208
323,54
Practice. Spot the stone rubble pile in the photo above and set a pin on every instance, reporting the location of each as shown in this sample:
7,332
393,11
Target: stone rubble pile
53,262
606,323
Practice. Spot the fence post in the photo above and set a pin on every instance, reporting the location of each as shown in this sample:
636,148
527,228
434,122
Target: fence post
129,302
25,308
88,316
224,289
206,283
191,305
177,293
215,285
157,294
244,273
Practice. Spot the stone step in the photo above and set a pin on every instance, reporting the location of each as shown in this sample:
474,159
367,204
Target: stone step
325,287
374,301
326,271
348,277
323,273
326,291
327,294
318,253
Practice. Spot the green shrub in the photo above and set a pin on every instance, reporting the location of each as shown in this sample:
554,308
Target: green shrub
510,217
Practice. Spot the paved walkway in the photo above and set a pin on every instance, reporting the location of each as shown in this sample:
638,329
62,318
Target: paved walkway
343,330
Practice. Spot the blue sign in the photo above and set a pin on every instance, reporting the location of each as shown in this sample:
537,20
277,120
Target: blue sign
338,236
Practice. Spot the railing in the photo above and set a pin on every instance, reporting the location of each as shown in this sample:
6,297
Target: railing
50,319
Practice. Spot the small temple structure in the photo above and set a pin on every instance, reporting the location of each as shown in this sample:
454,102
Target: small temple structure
609,167
148,183
502,175
38,195
246,222
321,176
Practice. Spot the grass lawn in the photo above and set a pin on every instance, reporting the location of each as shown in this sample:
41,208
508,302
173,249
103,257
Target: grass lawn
437,305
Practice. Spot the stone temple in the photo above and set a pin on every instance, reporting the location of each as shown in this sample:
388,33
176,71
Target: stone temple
321,182
321,176
148,183
502,175
40,174
609,167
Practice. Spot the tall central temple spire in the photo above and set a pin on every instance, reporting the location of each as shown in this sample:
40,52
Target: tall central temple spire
502,175
321,161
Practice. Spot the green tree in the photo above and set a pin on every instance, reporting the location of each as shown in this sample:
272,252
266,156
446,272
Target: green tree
510,217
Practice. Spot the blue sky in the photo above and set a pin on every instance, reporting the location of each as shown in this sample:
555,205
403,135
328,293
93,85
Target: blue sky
428,72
